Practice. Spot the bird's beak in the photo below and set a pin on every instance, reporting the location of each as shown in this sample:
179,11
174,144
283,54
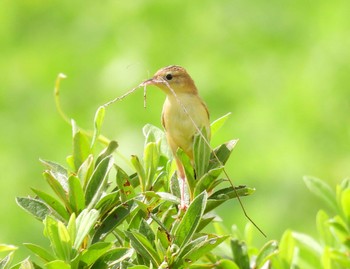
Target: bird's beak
147,82
152,81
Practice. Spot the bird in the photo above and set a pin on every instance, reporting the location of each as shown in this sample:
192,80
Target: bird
184,114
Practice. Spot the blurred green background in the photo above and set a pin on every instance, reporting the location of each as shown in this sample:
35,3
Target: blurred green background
281,67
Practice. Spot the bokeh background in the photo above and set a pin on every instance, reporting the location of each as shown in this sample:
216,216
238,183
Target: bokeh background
281,67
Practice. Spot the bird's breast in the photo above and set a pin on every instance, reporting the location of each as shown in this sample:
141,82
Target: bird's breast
180,115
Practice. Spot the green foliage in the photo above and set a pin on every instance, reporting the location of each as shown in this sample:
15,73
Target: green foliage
103,217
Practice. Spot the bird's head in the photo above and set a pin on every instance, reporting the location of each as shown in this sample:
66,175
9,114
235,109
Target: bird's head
175,77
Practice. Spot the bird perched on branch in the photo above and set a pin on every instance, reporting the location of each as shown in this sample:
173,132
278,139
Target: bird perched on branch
184,114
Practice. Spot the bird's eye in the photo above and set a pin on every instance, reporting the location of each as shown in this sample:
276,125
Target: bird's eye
169,76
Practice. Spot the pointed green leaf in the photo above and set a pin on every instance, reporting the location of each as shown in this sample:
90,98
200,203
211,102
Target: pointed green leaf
65,240
322,190
109,150
58,172
71,227
240,254
223,195
51,232
113,257
221,154
189,171
151,160
114,219
140,171
206,180
98,180
40,252
53,203
85,170
76,194
6,247
142,246
57,188
201,152
34,206
190,220
84,223
123,182
267,251
98,121
218,123
198,250
94,252
345,203
58,264
81,146
154,134
225,264
6,262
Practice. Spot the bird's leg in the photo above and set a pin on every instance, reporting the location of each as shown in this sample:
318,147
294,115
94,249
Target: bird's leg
181,174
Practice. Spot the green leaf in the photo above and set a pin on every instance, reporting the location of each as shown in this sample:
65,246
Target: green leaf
218,123
84,223
206,180
240,254
140,171
76,194
226,194
200,249
309,249
98,121
5,247
57,188
114,218
221,154
323,227
123,182
94,252
97,181
322,190
151,160
287,247
81,146
85,170
71,227
40,252
154,134
51,231
267,251
190,221
206,219
58,172
109,150
107,202
186,162
345,203
6,262
58,264
142,246
225,264
34,206
53,203
113,257
25,264
65,239
201,152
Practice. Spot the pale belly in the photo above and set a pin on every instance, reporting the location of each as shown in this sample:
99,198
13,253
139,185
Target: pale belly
181,126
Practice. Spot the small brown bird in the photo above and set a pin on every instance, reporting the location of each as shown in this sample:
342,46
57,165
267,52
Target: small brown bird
184,113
